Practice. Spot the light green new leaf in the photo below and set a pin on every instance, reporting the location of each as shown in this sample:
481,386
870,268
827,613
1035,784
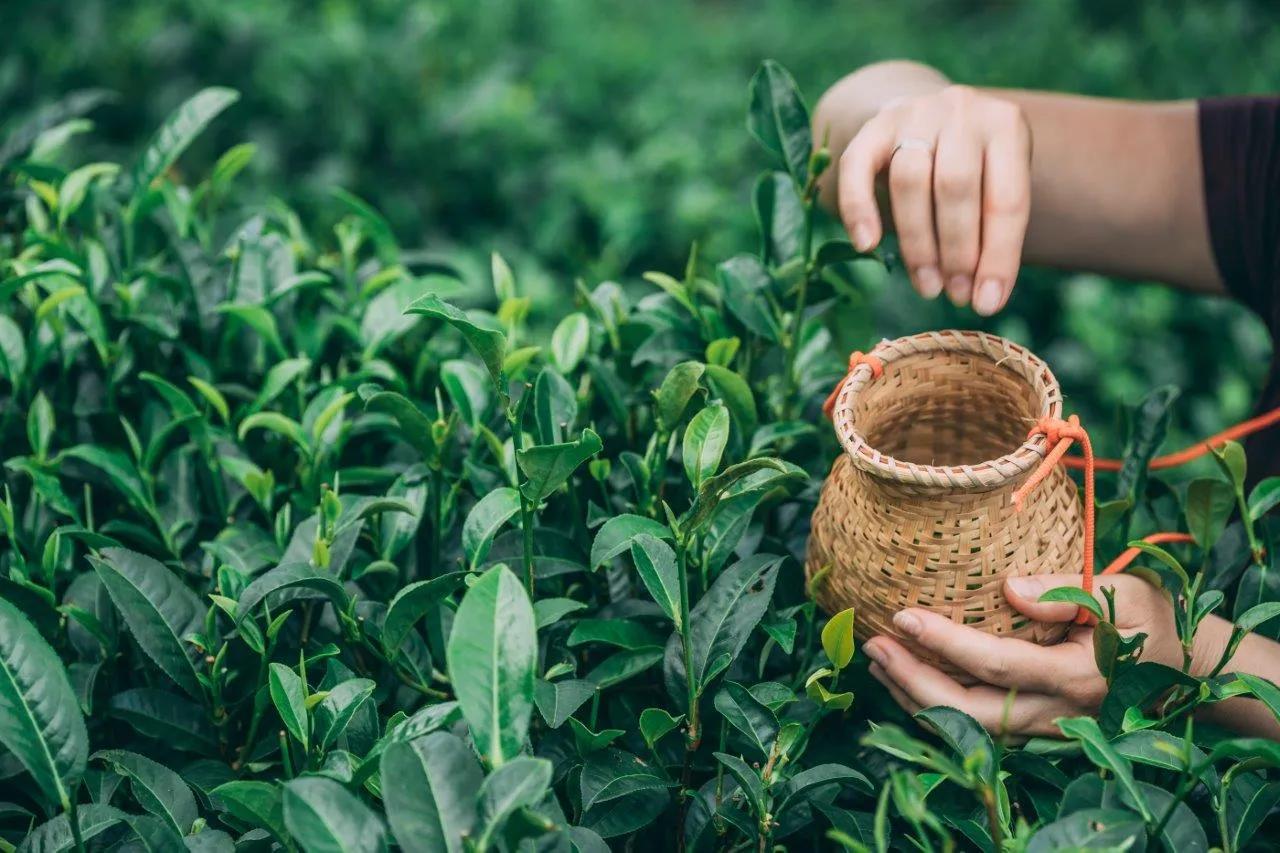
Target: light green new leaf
288,693
705,439
485,520
837,638
555,406
415,426
431,787
76,186
13,351
324,817
468,388
40,720
569,342
547,467
174,136
493,656
157,607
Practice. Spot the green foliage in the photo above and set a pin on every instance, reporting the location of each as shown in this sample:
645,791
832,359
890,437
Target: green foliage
310,540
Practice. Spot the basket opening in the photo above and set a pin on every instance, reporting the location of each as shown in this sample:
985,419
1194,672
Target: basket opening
947,408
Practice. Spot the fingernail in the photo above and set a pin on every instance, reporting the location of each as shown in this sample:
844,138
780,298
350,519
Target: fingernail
960,289
1028,588
908,623
862,237
986,300
929,281
874,653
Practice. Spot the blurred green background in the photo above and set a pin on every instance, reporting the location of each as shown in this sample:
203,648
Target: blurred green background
598,139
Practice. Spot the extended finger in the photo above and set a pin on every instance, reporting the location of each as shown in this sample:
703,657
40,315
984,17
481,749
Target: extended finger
911,200
1006,210
957,185
860,164
1001,661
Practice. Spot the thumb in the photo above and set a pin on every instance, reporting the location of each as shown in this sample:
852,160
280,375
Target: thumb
1024,594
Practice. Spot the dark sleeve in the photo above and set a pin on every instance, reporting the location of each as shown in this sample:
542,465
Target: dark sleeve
1240,155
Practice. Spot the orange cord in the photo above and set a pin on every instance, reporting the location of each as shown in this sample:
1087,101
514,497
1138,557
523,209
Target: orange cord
1059,435
855,359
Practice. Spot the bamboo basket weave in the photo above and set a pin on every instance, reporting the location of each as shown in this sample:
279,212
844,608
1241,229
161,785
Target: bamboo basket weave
918,510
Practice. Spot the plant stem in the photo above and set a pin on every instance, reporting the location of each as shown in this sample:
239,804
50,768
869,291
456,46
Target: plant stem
993,817
797,321
73,814
437,521
693,735
286,755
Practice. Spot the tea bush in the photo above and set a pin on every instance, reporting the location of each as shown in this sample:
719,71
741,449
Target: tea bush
311,543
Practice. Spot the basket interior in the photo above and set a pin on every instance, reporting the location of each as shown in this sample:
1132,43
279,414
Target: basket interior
947,408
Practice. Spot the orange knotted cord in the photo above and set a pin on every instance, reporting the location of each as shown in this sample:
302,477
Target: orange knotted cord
1059,434
855,359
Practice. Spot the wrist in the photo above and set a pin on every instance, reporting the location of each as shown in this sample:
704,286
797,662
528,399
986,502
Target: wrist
1209,645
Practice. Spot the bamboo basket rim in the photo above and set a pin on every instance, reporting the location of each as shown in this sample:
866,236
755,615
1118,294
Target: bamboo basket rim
986,474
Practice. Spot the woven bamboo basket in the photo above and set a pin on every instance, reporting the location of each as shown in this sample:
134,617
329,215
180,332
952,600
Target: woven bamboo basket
918,510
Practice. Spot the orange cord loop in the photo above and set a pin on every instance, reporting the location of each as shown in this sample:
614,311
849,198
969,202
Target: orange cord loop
1059,435
855,359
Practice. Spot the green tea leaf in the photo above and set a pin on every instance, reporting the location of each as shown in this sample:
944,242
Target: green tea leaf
176,134
489,344
40,720
619,533
611,774
795,789
1100,751
1073,595
13,351
1147,429
656,564
290,579
158,609
722,621
779,120
415,426
749,716
467,386
336,710
1209,505
159,790
259,804
837,638
288,693
966,737
1264,497
484,521
412,603
431,787
492,658
520,783
747,778
614,632
168,718
547,467
558,700
746,282
677,389
55,836
704,442
323,817
655,723
570,341
555,406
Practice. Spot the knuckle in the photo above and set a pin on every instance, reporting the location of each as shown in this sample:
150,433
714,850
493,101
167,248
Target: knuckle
1007,203
909,174
994,669
955,184
1004,115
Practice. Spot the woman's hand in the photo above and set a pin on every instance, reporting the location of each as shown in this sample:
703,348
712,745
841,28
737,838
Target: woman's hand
959,181
1048,681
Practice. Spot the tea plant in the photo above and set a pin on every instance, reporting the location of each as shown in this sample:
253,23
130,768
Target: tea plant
311,544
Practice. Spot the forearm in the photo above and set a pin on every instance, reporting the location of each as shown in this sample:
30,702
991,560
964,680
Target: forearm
1115,185
1256,655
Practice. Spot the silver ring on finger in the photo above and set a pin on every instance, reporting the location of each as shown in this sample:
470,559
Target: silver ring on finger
912,142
